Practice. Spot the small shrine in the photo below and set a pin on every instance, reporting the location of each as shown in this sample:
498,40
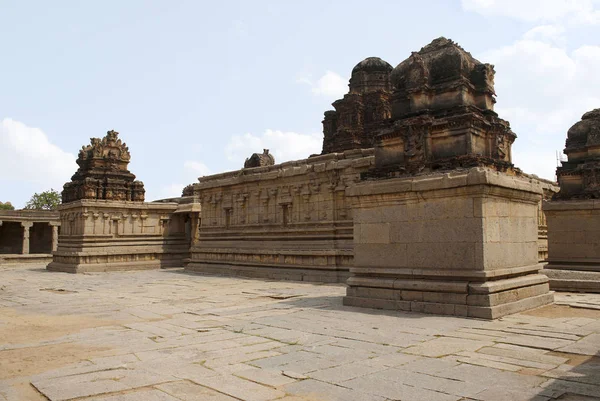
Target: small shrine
442,114
103,173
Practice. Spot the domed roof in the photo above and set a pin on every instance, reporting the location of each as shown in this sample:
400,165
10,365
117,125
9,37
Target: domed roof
585,132
372,64
441,61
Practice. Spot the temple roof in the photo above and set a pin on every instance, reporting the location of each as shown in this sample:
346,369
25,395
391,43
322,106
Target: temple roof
371,64
585,132
440,62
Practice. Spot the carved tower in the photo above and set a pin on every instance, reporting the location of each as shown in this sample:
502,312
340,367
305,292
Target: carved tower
103,173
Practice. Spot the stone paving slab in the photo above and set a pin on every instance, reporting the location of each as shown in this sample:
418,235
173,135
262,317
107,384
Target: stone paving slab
167,335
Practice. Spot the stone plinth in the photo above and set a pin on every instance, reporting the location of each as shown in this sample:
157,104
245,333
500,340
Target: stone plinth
573,245
101,235
287,221
456,243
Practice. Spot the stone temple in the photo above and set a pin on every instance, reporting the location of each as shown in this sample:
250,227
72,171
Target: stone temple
414,202
427,266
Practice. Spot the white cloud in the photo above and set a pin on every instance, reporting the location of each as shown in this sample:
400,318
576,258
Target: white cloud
543,89
191,171
197,168
27,155
547,33
573,11
283,146
330,85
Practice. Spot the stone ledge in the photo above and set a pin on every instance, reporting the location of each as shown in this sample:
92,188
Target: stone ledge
507,284
574,280
483,312
304,273
456,274
446,180
108,267
587,204
117,205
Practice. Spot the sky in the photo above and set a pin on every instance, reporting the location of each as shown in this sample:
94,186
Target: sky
195,87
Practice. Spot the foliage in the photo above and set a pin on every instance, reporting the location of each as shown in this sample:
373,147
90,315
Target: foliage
6,206
47,200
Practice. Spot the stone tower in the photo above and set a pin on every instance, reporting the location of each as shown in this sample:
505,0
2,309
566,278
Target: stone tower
362,110
442,113
103,173
579,177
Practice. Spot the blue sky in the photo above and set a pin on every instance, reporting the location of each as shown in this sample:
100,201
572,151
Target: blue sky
194,87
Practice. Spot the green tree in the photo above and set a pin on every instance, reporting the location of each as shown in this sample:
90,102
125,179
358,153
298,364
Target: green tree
6,206
47,200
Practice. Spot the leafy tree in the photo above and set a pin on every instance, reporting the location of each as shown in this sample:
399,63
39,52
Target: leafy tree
6,206
47,200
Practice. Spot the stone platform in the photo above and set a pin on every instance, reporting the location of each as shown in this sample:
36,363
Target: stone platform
165,335
459,243
104,235
25,260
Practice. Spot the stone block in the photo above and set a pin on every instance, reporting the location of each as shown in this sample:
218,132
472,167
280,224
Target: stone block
392,255
373,233
573,244
461,245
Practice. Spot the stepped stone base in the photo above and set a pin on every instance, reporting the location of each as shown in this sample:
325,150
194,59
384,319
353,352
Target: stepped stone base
147,262
573,245
325,275
573,280
462,243
25,260
436,295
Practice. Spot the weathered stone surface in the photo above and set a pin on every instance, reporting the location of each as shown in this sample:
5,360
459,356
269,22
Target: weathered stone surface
573,244
465,246
297,340
287,221
362,111
442,114
100,235
579,177
103,173
260,160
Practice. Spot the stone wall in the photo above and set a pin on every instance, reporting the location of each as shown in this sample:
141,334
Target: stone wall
287,221
101,235
573,245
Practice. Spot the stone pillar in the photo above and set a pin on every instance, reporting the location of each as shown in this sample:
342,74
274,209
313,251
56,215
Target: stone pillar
54,236
26,226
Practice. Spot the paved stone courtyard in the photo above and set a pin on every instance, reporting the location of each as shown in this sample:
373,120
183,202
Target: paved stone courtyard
168,335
